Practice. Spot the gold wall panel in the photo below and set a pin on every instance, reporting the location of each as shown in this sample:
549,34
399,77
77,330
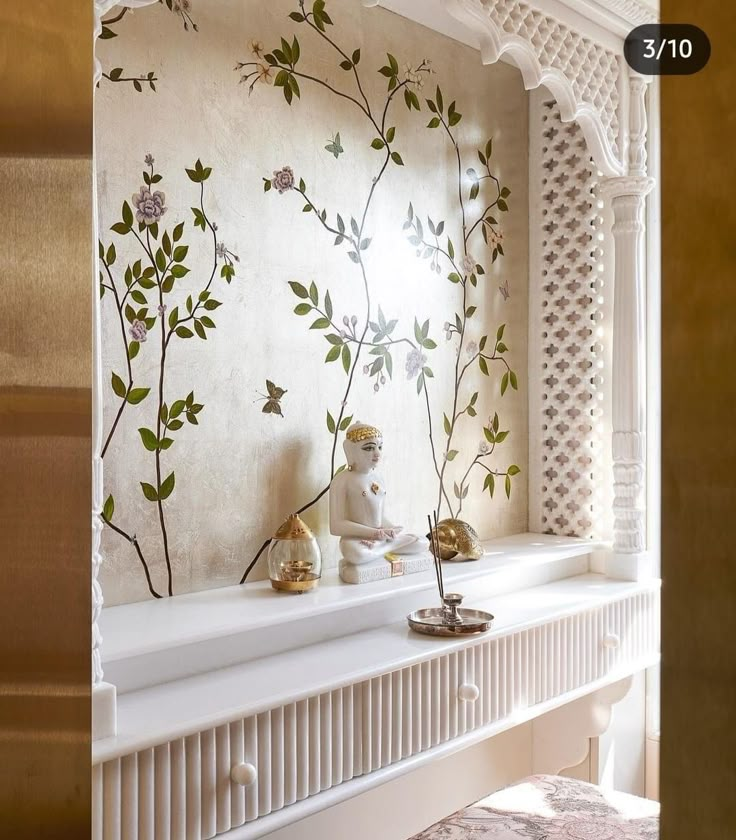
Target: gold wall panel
698,770
45,417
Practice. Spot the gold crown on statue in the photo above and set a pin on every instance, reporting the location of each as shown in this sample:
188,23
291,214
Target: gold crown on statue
358,432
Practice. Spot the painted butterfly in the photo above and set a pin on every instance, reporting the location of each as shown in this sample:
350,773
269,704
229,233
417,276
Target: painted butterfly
273,400
334,146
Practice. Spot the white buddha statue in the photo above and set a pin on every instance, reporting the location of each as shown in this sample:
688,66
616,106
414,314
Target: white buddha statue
357,499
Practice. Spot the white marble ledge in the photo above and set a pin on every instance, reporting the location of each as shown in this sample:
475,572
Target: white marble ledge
159,640
163,712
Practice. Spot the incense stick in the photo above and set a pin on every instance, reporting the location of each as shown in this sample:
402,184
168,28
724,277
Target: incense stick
432,536
439,559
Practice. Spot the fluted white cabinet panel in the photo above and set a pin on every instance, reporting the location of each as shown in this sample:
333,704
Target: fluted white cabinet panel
182,790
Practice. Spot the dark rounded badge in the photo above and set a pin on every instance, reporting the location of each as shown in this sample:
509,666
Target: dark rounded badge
667,49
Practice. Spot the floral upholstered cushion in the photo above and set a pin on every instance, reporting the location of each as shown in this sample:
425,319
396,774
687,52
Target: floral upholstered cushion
551,808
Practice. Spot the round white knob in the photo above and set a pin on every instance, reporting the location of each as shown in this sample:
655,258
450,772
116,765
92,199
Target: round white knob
244,774
611,640
468,691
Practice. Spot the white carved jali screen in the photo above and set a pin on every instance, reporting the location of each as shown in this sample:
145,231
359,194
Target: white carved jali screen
568,314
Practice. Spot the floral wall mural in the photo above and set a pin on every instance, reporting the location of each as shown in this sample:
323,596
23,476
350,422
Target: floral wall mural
367,178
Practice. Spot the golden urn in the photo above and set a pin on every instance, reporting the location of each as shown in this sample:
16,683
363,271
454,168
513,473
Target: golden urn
294,559
457,540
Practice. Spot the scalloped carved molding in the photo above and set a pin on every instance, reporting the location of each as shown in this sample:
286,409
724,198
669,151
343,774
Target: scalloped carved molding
103,693
582,75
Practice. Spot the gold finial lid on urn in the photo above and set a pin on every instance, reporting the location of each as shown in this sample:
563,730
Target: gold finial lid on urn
294,559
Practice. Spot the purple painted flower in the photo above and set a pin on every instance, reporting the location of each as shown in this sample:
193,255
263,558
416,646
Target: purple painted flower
138,330
483,448
468,263
415,361
161,310
149,206
148,159
283,179
472,349
221,250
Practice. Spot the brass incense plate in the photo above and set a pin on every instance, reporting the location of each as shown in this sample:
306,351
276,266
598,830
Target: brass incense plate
433,621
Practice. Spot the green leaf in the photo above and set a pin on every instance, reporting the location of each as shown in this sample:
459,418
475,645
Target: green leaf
167,487
199,329
150,441
501,437
178,231
295,16
330,423
138,297
320,323
513,380
391,133
328,305
120,227
446,422
396,158
173,317
513,470
298,289
166,243
429,344
127,215
133,349
184,332
166,442
438,99
504,383
345,423
303,308
313,294
499,332
454,277
451,454
489,483
160,260
483,365
377,143
180,252
109,508
137,395
118,386
346,358
212,304
332,354
149,491
508,487
434,122
470,311
454,119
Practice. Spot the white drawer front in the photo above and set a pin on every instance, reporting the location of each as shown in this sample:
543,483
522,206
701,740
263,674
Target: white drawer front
182,790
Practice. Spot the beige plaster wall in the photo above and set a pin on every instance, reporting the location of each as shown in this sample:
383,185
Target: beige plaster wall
240,471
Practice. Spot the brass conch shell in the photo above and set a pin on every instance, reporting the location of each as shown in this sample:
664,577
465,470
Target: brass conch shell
457,540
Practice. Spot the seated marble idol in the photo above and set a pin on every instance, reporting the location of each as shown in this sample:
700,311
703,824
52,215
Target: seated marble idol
357,516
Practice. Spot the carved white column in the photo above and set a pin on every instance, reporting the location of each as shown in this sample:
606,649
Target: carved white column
627,195
638,124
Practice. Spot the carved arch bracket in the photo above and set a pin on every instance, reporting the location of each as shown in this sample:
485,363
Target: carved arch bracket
561,738
582,75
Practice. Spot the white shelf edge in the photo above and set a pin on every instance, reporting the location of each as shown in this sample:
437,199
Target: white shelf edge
133,705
